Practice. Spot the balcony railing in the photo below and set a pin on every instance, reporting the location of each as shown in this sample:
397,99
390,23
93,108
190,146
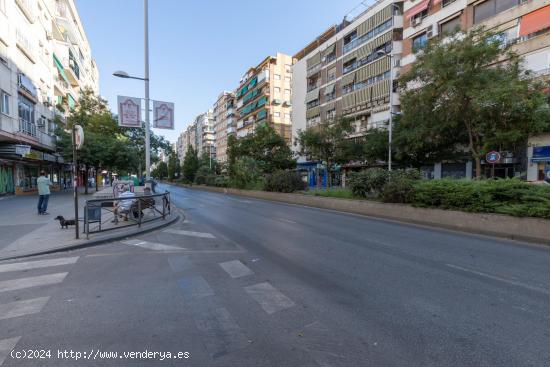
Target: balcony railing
28,128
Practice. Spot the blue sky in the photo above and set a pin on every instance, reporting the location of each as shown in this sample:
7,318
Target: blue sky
197,48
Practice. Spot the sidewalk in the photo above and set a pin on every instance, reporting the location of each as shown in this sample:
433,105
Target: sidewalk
24,232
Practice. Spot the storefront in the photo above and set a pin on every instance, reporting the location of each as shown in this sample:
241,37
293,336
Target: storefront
541,162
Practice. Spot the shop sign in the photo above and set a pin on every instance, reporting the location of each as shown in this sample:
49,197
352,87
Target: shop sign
22,150
34,154
49,157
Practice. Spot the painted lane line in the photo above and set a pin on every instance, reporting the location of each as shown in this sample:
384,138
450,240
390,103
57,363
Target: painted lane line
504,280
189,233
37,264
287,221
236,269
269,297
6,346
22,308
222,335
153,246
195,287
41,280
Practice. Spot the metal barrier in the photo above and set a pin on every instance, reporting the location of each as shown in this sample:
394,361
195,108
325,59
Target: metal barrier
101,215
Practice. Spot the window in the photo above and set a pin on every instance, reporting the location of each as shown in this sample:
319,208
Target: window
277,90
331,114
331,73
419,42
287,78
451,26
5,102
276,114
490,8
447,2
276,76
287,116
287,91
26,110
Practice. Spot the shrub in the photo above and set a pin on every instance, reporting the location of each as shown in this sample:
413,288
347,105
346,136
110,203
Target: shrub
398,190
284,181
368,183
202,175
246,174
221,181
508,196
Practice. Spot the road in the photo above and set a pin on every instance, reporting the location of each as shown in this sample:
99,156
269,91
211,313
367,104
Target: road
245,282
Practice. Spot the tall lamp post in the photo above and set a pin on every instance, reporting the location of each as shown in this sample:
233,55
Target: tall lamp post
390,127
122,74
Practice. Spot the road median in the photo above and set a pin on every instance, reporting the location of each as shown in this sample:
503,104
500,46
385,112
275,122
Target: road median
518,228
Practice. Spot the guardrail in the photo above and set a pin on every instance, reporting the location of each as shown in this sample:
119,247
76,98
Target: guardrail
101,215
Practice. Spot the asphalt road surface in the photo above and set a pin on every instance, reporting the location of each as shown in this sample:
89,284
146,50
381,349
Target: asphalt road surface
245,282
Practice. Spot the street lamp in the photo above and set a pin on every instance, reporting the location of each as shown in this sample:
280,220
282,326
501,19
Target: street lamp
390,129
123,74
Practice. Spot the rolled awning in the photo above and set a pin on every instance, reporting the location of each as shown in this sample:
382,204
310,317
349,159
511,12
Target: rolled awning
312,61
420,7
312,96
329,89
329,50
535,21
59,66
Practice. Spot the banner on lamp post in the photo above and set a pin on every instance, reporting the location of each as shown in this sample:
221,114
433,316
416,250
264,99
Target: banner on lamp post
129,111
163,115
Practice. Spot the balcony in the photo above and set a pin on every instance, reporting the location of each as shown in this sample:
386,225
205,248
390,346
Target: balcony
231,130
27,9
28,128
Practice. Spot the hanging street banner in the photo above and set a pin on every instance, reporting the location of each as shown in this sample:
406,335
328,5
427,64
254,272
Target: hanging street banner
78,136
129,111
163,115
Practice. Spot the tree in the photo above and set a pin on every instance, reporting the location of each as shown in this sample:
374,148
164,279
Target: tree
328,142
161,171
190,164
467,101
265,146
173,164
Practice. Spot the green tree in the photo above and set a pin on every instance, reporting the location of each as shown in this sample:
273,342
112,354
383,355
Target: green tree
468,101
267,148
328,142
190,164
173,164
161,171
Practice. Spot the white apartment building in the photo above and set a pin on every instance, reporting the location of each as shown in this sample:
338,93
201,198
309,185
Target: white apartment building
225,123
45,62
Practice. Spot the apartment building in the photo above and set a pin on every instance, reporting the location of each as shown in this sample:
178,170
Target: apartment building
346,71
205,135
522,24
225,123
45,61
264,97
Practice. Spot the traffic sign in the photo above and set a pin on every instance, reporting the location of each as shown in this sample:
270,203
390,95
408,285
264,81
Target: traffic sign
492,157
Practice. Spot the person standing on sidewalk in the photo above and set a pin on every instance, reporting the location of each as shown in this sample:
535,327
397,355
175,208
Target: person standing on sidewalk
43,184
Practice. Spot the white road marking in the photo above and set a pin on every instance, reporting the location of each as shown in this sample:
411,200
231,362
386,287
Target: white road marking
41,280
494,277
287,220
6,346
189,233
152,246
269,297
37,264
22,308
195,287
236,269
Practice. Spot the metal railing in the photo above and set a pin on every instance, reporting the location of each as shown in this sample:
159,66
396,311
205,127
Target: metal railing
101,215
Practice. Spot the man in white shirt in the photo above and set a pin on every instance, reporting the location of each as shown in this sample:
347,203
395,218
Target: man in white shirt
123,206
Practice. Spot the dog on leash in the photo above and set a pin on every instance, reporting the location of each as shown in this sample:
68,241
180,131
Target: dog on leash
65,223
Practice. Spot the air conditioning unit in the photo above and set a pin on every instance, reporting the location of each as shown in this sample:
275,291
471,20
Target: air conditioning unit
416,21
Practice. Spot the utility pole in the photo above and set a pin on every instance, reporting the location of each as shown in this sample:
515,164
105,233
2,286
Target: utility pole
75,183
147,126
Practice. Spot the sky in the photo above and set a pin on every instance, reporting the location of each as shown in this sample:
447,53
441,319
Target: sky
198,48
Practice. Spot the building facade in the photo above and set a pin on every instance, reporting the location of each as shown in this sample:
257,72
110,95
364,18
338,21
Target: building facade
45,62
264,97
225,123
346,71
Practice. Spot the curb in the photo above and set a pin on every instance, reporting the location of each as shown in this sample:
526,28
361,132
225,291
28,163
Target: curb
97,242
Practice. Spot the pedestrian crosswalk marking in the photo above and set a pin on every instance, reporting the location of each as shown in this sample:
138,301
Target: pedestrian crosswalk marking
22,308
152,245
37,264
195,287
236,269
269,298
189,233
6,346
21,283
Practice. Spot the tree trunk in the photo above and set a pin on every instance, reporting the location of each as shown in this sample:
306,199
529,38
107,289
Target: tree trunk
478,168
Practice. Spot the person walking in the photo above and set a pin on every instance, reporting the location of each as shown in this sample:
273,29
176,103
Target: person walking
43,184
